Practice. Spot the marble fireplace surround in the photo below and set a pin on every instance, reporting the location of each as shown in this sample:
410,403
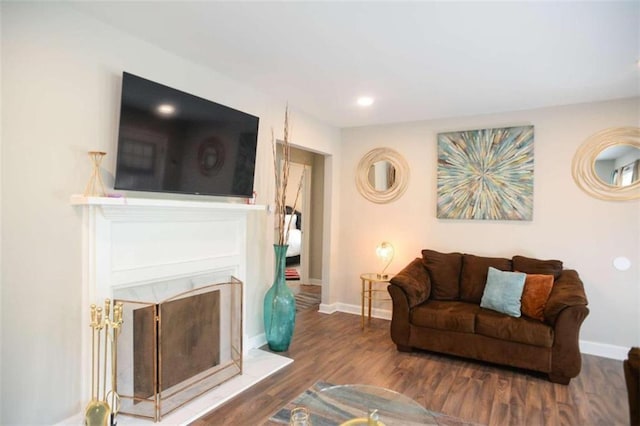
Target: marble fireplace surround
129,242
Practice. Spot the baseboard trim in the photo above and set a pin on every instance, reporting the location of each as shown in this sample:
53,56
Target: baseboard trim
604,350
255,342
327,309
315,281
357,310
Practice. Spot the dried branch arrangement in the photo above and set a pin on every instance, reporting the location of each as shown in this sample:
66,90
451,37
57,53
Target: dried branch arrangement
282,181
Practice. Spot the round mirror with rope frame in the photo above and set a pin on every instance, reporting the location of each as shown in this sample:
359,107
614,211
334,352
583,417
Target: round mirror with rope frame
393,175
584,164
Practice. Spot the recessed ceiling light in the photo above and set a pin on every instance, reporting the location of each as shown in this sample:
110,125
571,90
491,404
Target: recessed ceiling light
365,101
166,109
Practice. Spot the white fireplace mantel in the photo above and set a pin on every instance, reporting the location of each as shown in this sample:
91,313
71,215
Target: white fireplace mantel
153,207
134,241
137,241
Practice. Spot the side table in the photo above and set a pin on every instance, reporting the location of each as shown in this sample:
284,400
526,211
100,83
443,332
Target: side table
368,289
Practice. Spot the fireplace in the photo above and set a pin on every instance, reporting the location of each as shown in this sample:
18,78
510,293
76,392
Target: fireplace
149,251
174,350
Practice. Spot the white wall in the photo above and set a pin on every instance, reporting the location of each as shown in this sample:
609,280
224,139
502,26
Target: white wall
60,94
1,136
317,204
627,159
585,233
314,217
604,170
61,83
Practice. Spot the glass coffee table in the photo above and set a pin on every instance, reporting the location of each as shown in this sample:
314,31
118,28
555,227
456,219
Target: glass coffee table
351,405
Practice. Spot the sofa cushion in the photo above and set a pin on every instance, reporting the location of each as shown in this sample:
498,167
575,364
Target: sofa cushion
474,275
522,330
537,288
536,266
444,271
445,315
503,292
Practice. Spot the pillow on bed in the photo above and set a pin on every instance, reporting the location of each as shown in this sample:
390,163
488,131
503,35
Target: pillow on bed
290,218
297,214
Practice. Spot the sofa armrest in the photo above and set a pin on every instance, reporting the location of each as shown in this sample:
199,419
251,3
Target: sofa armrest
414,281
400,317
567,291
566,360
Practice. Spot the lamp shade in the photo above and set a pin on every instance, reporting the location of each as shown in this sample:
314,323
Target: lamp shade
385,253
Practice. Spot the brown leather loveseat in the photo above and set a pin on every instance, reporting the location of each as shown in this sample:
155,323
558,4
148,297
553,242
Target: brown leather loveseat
436,307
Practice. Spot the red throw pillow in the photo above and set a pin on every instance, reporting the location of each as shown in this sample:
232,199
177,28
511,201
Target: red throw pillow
537,288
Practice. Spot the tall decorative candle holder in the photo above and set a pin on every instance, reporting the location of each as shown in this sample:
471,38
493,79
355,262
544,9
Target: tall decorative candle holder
95,186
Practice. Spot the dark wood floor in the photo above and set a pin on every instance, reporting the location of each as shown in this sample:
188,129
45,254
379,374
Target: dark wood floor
334,348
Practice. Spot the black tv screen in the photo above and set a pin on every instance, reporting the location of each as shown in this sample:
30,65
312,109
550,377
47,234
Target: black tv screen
171,141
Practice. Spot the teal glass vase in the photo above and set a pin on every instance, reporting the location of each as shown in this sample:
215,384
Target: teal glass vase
279,306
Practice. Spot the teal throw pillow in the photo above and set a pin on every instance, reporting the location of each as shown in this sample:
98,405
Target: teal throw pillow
503,291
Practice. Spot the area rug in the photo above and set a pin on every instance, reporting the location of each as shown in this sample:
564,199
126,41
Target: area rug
332,412
291,274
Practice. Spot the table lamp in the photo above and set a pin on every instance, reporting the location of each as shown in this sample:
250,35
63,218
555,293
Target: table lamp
384,251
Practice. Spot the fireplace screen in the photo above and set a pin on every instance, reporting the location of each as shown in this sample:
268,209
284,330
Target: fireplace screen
173,351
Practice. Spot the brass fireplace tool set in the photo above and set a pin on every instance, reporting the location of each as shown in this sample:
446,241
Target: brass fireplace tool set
102,412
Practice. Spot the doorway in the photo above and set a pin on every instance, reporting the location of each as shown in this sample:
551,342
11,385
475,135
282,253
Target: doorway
304,266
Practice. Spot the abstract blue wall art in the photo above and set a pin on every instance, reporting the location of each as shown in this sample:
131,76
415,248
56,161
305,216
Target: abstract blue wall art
486,174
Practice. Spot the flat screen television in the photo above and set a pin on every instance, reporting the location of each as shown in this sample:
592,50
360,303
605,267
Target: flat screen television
171,141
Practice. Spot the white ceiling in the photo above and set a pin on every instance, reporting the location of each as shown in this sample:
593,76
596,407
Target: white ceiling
420,60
